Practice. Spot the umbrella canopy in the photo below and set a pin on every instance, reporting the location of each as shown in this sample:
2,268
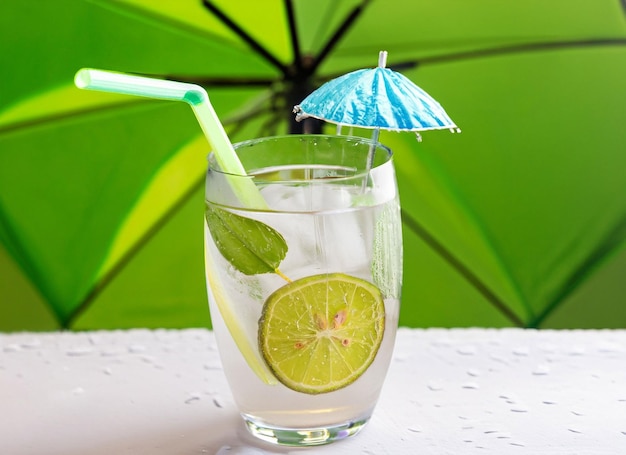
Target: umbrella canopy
377,98
520,220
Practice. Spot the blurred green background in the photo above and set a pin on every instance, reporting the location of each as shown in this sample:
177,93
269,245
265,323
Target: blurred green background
518,221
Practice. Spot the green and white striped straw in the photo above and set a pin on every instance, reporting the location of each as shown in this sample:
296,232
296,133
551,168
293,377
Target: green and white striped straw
198,99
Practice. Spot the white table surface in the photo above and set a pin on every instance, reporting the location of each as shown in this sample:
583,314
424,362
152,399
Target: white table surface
457,391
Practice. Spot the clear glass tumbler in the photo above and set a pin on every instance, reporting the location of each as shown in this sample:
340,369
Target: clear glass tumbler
304,268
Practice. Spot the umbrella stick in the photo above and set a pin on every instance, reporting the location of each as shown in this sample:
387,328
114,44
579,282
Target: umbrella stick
370,157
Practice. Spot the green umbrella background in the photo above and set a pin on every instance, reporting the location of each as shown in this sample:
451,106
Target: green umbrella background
520,220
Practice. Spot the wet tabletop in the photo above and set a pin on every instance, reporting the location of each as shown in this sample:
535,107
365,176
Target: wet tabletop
459,391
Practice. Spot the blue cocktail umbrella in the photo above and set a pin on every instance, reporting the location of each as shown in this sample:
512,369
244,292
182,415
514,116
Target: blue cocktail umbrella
376,98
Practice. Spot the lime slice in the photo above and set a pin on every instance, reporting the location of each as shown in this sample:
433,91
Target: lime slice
320,333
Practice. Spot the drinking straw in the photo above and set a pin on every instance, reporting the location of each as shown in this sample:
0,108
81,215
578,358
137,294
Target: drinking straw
194,95
244,188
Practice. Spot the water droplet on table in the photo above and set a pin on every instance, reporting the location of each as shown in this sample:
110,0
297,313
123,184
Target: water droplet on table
400,358
94,339
470,385
114,352
79,351
466,350
31,344
136,348
519,408
576,351
549,348
11,348
441,343
434,386
541,370
522,351
608,347
499,359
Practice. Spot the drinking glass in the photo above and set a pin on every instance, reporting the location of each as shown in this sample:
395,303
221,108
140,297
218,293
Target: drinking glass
304,283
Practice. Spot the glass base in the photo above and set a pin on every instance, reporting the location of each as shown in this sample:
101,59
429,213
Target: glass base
303,437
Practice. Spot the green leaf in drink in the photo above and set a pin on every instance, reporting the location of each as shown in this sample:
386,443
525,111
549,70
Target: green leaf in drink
252,247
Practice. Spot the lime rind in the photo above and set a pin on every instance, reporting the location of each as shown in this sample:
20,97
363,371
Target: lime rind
320,333
227,310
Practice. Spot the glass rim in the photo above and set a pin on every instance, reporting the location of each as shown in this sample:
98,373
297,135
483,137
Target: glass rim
342,138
